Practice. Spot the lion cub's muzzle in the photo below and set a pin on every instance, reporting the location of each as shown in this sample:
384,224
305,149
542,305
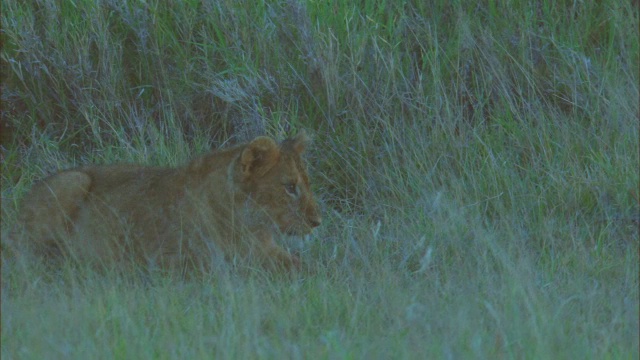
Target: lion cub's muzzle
313,218
305,224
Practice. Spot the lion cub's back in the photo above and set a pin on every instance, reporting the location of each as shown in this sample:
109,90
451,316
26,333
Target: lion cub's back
84,198
113,184
49,207
126,185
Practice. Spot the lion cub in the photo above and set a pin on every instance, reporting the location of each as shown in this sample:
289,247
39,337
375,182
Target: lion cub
229,202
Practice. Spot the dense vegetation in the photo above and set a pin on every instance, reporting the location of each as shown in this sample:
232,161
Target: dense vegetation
476,163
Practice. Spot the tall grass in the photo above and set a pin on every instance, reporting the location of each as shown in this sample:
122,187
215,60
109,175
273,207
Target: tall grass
476,162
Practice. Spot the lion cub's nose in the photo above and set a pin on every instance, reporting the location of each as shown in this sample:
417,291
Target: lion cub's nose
315,221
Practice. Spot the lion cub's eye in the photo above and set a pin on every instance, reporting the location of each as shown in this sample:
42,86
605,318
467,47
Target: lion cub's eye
292,189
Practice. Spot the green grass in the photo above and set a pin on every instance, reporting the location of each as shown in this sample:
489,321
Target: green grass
476,164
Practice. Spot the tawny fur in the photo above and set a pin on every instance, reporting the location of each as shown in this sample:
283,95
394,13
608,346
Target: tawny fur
231,201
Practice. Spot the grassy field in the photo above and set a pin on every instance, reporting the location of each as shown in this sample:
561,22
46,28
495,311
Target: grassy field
476,164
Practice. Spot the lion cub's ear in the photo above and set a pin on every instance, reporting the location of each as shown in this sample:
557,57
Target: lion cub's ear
259,156
301,141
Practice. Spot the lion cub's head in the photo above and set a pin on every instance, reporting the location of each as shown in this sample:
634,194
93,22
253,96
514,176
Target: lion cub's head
275,178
